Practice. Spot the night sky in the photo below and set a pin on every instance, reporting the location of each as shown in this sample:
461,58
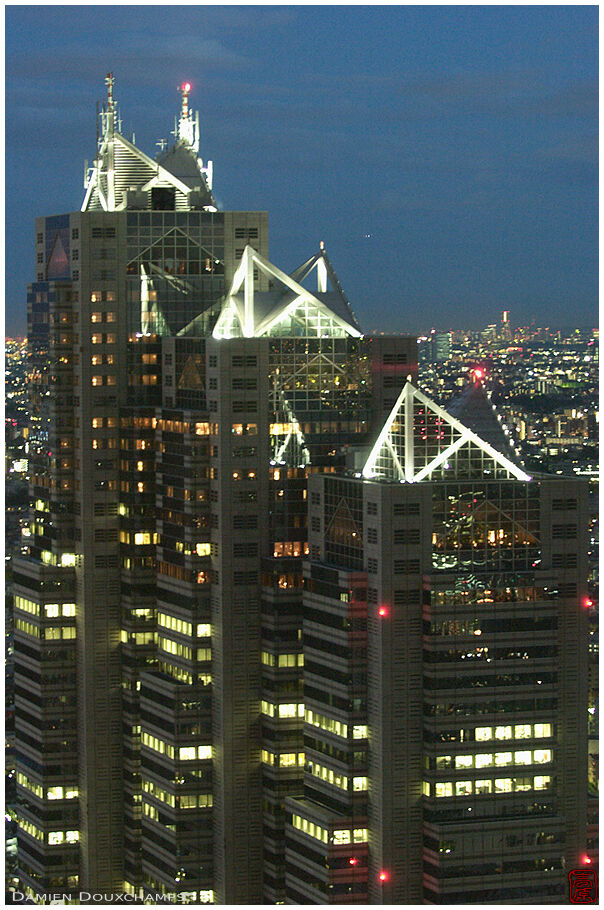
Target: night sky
447,156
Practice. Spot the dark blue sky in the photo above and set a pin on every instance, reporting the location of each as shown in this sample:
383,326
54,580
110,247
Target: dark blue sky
446,155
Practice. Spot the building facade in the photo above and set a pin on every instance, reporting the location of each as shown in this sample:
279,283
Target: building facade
445,684
185,388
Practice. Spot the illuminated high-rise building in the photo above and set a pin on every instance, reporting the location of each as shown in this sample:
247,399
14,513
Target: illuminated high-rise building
218,697
445,674
185,388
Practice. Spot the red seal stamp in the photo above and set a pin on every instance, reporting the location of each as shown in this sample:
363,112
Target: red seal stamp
583,884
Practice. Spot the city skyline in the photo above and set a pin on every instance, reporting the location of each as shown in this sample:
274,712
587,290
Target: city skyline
471,130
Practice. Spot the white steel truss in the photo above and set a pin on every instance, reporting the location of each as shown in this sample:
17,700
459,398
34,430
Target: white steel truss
419,438
121,167
253,314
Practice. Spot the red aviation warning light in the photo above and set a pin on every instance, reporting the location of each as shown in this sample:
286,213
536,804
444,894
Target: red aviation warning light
586,860
353,861
383,611
186,86
587,602
383,876
478,373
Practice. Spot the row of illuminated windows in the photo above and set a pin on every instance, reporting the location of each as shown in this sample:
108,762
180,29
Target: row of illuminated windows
328,775
290,548
185,801
200,549
53,837
293,709
138,638
179,650
481,787
51,559
282,660
51,792
345,836
524,757
203,630
244,429
204,679
140,538
191,753
185,753
337,780
63,837
515,731
52,633
284,760
310,828
337,727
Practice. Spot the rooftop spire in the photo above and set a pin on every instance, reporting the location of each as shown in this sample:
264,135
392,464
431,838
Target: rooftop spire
184,90
109,81
188,124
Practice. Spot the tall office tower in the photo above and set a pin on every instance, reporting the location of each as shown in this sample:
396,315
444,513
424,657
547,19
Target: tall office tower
444,643
440,346
187,387
505,326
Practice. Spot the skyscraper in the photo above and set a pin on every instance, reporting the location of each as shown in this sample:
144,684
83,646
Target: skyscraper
444,633
185,388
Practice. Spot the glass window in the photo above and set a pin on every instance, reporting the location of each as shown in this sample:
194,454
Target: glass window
341,837
541,756
522,783
503,732
482,734
444,761
542,730
444,789
483,786
542,782
503,785
522,758
464,761
359,783
484,761
503,758
522,731
463,788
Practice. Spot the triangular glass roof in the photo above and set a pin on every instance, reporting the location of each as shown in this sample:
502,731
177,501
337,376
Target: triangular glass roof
287,309
421,441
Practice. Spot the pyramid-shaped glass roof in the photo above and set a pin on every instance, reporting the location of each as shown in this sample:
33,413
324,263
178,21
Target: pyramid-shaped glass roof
289,308
422,441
